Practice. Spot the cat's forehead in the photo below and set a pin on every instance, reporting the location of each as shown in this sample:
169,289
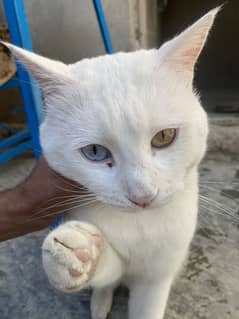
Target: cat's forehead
129,89
127,79
120,66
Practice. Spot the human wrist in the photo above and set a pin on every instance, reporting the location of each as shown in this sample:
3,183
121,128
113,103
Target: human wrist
36,202
14,204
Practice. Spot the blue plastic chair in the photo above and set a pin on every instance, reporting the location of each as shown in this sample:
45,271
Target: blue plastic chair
28,138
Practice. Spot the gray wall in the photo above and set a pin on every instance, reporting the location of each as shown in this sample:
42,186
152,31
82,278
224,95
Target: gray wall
68,30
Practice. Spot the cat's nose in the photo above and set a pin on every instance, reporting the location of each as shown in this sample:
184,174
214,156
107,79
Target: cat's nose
142,201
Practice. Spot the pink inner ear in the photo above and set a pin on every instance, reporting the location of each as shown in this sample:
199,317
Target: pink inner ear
191,54
186,47
190,58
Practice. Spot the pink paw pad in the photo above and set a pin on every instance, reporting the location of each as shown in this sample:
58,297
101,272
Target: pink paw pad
74,272
82,254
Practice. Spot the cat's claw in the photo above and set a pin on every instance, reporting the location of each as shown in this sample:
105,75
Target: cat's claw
70,255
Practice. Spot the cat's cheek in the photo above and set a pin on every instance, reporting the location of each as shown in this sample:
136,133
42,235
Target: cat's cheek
179,186
166,194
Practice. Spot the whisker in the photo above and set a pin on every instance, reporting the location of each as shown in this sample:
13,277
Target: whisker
71,196
219,192
222,211
68,182
217,204
62,203
65,210
69,190
221,182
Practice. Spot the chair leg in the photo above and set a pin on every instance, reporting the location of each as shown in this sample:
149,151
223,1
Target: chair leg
20,35
103,26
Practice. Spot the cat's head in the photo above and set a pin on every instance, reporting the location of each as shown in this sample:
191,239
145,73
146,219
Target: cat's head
127,126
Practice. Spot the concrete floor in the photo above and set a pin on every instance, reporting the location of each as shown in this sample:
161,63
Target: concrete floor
207,288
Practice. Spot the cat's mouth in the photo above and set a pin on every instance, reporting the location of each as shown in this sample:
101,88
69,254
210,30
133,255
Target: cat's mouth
127,206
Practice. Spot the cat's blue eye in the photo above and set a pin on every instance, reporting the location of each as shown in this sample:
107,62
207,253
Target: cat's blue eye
96,153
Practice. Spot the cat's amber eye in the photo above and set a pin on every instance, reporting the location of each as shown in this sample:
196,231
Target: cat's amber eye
164,138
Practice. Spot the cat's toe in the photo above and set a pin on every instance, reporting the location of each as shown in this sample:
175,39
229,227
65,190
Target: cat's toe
70,255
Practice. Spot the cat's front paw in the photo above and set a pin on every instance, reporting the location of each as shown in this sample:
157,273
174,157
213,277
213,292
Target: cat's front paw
70,255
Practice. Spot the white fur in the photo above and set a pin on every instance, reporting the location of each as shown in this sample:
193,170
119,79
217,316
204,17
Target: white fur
121,101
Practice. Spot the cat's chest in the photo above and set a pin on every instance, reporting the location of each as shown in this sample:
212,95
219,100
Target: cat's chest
150,233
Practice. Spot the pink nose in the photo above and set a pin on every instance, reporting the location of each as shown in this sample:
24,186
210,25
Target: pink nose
142,201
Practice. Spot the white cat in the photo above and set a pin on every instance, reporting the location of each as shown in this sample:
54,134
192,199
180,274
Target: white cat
130,128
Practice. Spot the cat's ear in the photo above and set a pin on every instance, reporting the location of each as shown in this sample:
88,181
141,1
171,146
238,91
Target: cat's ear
182,52
49,73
